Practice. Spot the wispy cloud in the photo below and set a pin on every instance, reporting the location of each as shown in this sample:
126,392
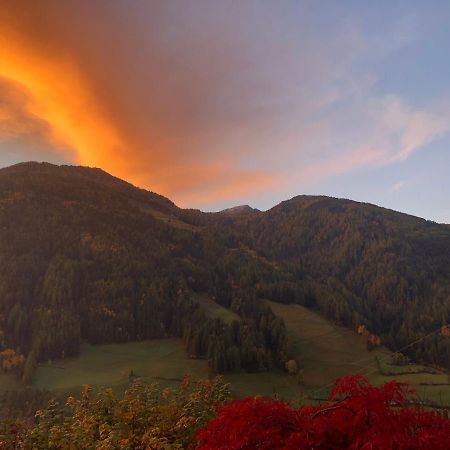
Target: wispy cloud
369,133
407,128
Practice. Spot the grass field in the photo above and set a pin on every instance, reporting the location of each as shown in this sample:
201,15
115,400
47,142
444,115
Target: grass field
326,351
162,360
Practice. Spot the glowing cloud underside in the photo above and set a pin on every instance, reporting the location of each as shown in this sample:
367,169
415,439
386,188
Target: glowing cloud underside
58,95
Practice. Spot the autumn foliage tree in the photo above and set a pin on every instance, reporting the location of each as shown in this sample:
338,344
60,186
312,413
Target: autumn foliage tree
356,415
144,417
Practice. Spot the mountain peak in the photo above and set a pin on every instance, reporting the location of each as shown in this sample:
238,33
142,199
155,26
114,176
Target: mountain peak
239,210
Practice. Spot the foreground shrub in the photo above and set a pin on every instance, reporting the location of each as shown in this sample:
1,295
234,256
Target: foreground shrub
144,418
356,415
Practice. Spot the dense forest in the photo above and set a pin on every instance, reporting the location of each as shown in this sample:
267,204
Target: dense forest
86,256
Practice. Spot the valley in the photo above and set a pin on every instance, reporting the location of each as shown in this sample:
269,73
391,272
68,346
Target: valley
102,278
324,351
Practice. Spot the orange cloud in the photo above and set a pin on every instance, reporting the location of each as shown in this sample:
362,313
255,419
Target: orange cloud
57,94
74,86
15,121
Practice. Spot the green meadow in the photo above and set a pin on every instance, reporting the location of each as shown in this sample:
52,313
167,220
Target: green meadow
326,351
162,360
323,350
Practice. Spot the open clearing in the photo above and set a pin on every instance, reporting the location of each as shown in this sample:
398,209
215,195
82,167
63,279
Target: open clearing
326,351
213,310
162,360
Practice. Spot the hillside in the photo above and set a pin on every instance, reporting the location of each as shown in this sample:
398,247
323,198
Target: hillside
372,266
87,257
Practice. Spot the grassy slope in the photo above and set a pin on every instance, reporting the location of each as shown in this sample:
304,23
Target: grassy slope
326,351
213,310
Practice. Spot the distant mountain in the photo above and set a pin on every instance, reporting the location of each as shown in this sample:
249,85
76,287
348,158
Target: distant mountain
86,256
239,210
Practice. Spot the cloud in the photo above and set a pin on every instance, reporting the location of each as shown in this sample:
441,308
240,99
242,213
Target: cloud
205,101
408,129
15,120
370,132
117,90
57,94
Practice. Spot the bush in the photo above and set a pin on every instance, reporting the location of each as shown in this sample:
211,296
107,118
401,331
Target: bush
145,417
356,415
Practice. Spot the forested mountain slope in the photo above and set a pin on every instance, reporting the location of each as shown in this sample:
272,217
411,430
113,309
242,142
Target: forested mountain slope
84,255
384,269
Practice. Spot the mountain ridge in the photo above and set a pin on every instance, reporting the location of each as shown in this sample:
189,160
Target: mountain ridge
85,255
310,198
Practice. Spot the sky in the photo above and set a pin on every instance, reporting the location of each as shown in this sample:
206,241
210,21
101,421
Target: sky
219,103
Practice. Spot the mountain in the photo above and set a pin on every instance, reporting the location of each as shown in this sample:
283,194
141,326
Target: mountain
386,270
86,256
239,210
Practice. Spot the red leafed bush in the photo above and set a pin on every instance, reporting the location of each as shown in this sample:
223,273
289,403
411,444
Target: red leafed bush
355,416
249,423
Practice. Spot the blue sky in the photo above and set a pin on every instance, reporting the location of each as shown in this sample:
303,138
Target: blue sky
221,103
